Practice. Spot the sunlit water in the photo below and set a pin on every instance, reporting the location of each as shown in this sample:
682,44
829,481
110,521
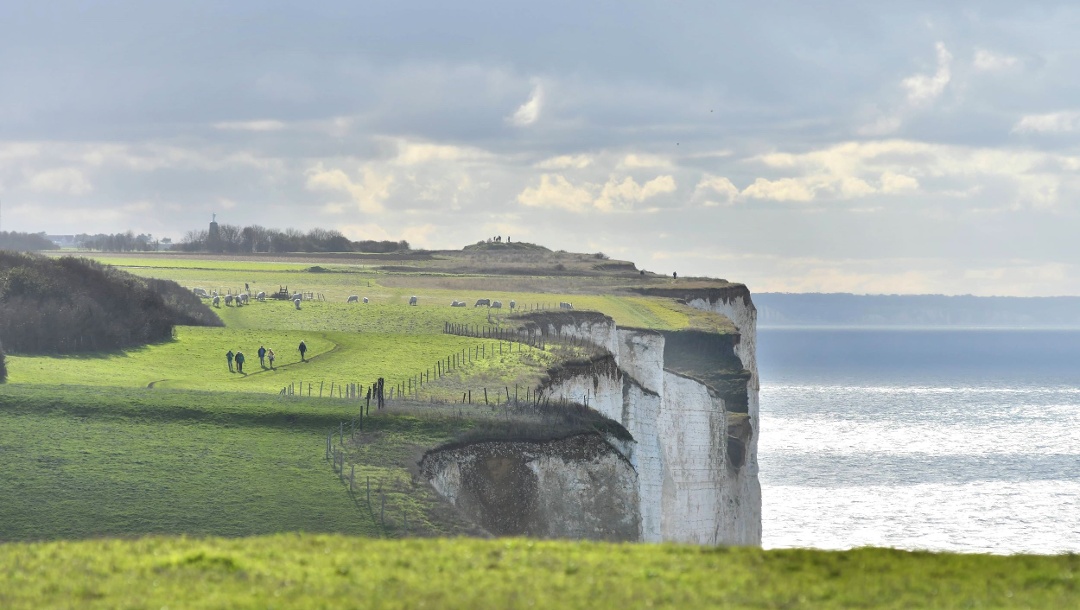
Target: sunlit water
941,440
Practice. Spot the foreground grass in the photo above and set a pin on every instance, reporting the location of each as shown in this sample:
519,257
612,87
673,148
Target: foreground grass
304,571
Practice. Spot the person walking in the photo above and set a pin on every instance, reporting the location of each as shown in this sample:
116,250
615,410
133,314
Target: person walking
262,356
239,361
270,355
229,357
303,350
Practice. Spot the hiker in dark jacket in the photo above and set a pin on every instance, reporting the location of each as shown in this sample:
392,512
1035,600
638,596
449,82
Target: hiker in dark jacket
239,361
303,350
262,356
229,357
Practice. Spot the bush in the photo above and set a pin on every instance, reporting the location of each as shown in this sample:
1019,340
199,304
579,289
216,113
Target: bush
70,305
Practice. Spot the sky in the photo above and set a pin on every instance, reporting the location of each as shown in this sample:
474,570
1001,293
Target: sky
865,147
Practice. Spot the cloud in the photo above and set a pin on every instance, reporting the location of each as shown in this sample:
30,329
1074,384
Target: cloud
417,153
1065,121
635,161
715,190
988,61
627,192
529,112
566,162
555,191
369,192
264,125
922,88
65,181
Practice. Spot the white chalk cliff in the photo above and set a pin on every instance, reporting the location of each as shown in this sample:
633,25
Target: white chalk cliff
690,401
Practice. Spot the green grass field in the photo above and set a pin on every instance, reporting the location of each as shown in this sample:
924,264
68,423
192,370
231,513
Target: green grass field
294,571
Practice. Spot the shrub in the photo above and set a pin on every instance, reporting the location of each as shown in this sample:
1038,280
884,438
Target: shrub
71,305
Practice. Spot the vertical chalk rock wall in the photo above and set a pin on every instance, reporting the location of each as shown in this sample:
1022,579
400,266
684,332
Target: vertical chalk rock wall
692,486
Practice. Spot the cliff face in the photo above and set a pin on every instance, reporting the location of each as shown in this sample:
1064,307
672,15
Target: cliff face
690,401
579,487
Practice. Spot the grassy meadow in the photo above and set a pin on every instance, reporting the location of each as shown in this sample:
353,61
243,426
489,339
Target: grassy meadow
154,477
292,571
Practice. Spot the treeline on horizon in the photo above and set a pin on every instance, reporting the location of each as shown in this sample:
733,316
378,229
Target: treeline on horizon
25,242
840,309
234,239
73,305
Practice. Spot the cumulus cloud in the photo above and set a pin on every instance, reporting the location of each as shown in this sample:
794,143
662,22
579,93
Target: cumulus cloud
988,61
529,112
555,191
369,192
64,181
263,125
566,162
633,161
925,88
1065,121
712,191
625,193
417,153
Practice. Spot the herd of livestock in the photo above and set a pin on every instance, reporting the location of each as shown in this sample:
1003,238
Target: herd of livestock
244,299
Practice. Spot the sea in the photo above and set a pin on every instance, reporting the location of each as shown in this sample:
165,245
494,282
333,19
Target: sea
964,440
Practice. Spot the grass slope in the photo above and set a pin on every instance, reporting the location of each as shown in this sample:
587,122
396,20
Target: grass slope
135,462
293,571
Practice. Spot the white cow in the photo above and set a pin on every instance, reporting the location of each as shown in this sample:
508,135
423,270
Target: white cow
296,302
260,296
245,299
298,297
412,300
228,300
365,299
457,304
496,304
217,301
353,298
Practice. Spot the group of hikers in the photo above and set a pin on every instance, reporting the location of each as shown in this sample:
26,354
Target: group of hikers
264,355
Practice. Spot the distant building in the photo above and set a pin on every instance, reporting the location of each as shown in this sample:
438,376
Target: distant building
63,241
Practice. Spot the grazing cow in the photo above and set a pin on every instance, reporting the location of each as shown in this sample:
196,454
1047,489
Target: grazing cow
496,304
513,304
298,296
296,302
245,299
354,298
228,300
412,300
565,305
484,302
458,304
365,299
261,296
217,301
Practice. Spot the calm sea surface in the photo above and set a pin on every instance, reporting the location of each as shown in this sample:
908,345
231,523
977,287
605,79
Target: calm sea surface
959,440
